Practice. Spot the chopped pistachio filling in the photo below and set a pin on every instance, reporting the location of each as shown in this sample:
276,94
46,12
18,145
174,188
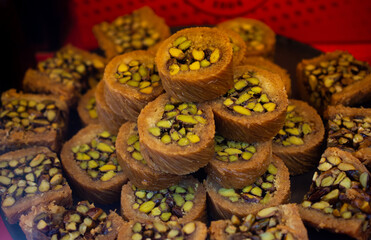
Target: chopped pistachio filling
178,122
329,77
91,108
349,133
134,147
184,56
252,35
158,230
69,67
22,114
166,204
294,130
235,47
261,191
267,224
232,151
130,32
28,176
338,188
98,158
247,96
84,222
138,75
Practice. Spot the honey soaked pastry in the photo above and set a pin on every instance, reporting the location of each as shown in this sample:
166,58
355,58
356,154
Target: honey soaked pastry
338,199
238,46
299,142
270,189
334,78
90,161
140,30
281,222
131,81
238,164
350,130
176,137
83,221
87,109
29,177
184,202
28,120
254,109
195,64
134,165
260,39
65,75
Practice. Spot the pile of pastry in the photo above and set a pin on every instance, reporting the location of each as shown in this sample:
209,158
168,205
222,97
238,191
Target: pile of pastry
185,131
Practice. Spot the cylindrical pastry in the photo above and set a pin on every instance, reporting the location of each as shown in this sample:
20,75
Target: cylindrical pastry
90,161
131,81
183,203
107,118
259,38
135,166
299,142
142,29
338,199
238,164
334,78
29,177
84,221
176,137
254,109
86,108
272,67
350,130
238,46
271,189
195,64
157,230
269,223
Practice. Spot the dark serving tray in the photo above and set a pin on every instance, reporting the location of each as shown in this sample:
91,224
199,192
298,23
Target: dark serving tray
288,54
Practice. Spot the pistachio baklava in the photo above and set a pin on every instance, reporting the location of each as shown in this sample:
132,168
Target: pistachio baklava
338,199
299,142
90,161
158,230
176,137
29,177
131,81
133,164
280,222
140,30
195,64
83,221
334,78
86,108
184,202
270,189
238,164
28,120
254,109
66,75
259,38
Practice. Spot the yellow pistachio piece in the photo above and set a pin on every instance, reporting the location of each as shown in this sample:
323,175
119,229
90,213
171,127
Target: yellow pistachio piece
195,65
198,54
242,110
215,55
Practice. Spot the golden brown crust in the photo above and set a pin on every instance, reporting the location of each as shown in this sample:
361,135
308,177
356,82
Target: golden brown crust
235,39
83,111
302,158
269,35
106,117
222,207
241,173
270,66
145,13
257,127
197,213
172,158
203,84
104,192
62,196
141,175
122,99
